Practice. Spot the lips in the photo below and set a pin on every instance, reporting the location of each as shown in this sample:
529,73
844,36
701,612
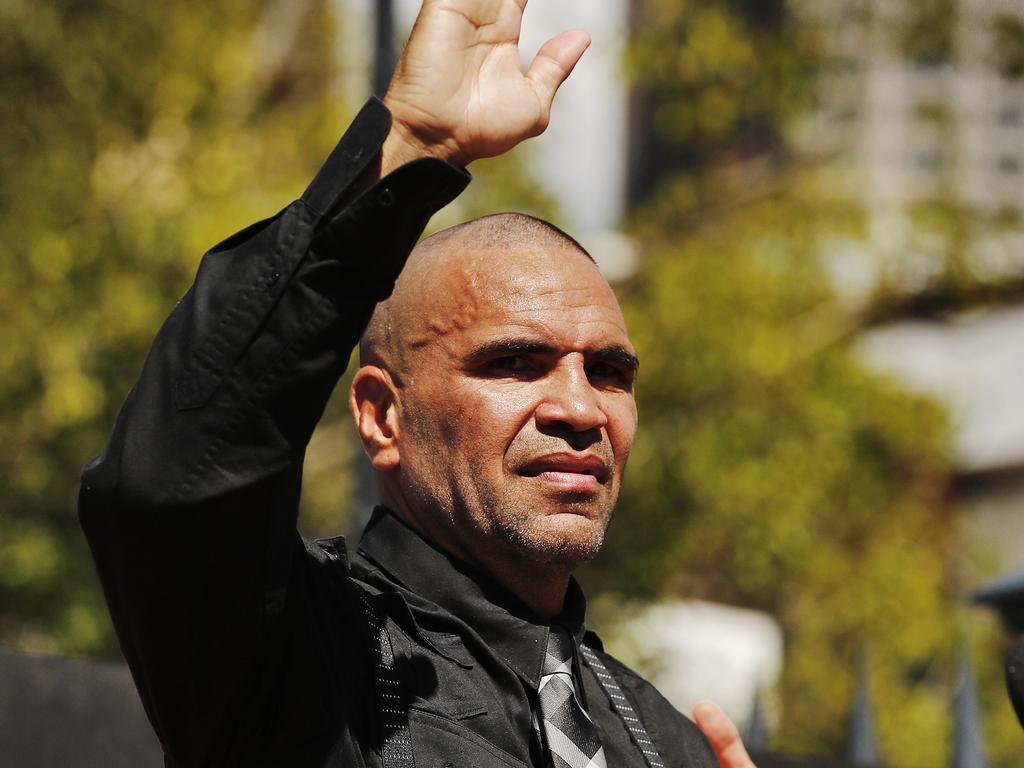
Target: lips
568,467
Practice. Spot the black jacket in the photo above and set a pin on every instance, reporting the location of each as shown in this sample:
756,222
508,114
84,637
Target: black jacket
246,643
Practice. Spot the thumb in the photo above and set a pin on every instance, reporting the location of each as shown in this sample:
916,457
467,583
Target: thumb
723,735
554,62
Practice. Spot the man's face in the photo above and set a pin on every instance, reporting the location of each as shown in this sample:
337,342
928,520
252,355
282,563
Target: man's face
516,411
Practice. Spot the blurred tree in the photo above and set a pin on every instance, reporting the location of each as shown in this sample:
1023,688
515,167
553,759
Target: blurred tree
771,469
714,82
135,137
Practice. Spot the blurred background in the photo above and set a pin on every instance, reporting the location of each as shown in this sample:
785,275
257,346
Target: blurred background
813,213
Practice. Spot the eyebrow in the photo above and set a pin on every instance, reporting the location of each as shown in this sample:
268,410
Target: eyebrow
504,347
613,353
618,355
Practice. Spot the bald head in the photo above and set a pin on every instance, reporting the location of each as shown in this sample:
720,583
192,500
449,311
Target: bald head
503,231
386,341
495,397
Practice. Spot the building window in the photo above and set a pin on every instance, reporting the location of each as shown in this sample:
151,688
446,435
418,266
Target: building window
1008,164
1009,115
930,112
928,160
1008,46
929,33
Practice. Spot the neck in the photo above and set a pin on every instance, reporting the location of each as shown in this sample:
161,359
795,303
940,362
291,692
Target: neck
543,594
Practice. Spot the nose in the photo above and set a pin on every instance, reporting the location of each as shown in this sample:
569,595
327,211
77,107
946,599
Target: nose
570,401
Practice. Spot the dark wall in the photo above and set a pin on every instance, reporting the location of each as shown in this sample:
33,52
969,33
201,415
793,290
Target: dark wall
61,713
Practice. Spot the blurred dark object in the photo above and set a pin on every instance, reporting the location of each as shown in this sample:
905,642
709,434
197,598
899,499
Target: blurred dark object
1015,679
384,48
62,712
968,742
861,747
1006,595
755,736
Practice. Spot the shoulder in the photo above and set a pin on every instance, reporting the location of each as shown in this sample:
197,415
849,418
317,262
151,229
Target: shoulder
679,740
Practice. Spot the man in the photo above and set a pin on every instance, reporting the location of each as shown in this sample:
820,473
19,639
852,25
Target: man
494,398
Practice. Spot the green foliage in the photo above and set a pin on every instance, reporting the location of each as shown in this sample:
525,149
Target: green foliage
716,80
135,137
771,469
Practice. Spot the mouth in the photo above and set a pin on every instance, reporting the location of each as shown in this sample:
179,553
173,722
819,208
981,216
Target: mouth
568,471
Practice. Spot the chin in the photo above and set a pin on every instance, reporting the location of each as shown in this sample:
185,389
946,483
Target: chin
562,528
564,537
570,553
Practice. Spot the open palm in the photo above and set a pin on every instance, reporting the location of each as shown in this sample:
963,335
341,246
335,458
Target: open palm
459,91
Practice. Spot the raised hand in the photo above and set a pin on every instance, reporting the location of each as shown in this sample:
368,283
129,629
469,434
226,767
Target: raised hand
459,92
723,736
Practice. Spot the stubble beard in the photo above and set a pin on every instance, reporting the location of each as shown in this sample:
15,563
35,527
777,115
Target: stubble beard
568,539
508,527
504,521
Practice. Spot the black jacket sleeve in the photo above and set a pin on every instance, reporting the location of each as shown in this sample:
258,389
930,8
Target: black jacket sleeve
190,510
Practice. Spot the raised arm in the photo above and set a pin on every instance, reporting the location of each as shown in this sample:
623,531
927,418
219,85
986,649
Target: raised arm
190,510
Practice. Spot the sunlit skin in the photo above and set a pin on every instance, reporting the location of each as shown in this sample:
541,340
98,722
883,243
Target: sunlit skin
501,425
723,735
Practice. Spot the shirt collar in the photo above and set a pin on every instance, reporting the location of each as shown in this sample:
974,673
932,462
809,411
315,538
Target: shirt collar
507,626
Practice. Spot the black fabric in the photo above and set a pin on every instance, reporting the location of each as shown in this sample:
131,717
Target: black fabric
248,645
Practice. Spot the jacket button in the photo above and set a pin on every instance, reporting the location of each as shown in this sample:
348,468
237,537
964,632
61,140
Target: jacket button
386,198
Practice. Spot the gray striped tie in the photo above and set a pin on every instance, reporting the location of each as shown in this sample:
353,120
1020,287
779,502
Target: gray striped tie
569,733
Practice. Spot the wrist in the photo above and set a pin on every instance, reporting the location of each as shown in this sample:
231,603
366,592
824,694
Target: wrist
405,144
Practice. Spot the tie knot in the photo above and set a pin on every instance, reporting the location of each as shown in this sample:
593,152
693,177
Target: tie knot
559,653
568,732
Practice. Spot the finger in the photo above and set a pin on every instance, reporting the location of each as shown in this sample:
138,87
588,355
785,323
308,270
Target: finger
555,61
723,735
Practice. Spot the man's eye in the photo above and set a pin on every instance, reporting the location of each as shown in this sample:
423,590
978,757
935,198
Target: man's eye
510,364
608,372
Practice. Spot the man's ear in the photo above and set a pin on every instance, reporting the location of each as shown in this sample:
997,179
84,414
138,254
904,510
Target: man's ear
372,401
